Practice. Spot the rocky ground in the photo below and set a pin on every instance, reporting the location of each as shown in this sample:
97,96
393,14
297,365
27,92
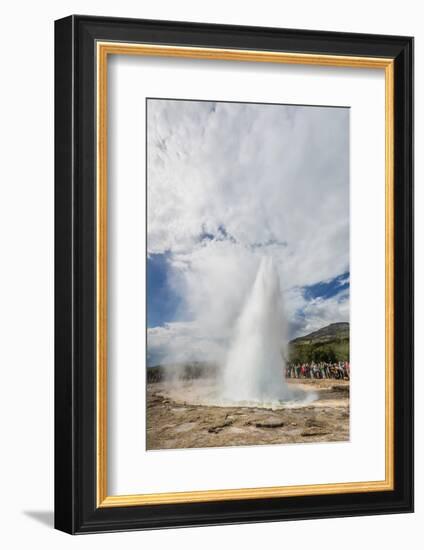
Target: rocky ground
175,420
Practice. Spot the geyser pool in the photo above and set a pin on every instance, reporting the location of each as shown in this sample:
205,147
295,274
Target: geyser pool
254,369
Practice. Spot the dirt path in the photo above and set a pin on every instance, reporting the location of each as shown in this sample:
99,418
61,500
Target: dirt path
173,423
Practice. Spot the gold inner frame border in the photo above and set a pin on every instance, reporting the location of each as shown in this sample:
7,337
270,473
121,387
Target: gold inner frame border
103,50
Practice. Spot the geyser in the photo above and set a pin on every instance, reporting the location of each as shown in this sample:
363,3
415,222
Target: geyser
255,368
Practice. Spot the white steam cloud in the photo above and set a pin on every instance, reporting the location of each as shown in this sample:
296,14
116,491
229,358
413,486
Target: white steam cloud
229,182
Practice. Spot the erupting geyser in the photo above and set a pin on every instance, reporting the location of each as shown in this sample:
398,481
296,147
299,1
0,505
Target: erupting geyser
255,368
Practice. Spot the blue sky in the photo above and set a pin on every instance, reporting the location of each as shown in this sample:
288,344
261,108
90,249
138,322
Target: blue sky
163,302
227,184
327,289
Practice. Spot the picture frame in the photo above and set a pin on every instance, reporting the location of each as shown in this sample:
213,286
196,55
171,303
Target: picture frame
83,45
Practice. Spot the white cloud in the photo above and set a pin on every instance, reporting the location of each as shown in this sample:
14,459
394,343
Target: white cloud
261,179
318,312
179,342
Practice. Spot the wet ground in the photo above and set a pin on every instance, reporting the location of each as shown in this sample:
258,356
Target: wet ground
180,416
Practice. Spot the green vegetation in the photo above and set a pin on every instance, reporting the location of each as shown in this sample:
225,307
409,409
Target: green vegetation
329,344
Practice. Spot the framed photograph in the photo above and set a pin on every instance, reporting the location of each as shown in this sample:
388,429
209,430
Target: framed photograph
234,274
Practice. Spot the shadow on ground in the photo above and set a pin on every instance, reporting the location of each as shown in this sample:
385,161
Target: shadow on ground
46,517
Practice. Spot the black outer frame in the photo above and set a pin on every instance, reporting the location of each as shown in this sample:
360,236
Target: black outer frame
75,275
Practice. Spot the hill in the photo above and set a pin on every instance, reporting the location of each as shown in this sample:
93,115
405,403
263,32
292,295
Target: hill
330,343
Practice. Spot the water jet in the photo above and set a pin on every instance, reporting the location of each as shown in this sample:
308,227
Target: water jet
255,367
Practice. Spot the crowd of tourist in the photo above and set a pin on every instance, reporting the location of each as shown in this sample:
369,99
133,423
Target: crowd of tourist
339,370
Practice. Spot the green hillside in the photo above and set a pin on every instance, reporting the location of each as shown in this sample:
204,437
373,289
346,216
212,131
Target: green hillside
329,344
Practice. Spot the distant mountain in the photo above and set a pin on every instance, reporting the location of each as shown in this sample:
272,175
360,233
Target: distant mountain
325,334
330,343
